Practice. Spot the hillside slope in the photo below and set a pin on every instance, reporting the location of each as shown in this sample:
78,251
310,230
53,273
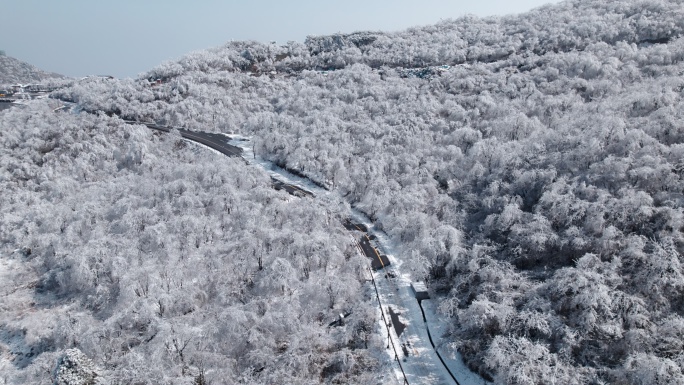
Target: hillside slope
143,259
528,167
14,71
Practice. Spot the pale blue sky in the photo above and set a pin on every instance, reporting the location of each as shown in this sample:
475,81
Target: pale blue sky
126,37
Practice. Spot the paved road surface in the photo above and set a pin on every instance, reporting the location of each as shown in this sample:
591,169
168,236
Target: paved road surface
378,261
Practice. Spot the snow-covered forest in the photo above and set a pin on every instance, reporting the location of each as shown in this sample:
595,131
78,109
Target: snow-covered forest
529,168
163,262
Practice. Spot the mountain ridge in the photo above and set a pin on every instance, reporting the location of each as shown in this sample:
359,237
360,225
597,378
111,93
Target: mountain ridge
14,71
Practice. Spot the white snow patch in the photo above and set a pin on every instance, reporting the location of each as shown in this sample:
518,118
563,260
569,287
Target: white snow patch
273,170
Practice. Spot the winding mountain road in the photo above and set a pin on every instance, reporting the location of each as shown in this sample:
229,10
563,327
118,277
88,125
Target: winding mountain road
402,317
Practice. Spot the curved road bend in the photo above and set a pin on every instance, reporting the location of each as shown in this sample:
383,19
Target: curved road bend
216,141
219,142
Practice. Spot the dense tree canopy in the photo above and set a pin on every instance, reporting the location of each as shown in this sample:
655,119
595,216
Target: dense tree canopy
164,263
529,167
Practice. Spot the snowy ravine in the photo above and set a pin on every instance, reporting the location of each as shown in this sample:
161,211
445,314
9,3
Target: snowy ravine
422,364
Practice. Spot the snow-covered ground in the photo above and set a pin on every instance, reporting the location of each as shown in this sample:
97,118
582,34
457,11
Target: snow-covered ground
421,365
